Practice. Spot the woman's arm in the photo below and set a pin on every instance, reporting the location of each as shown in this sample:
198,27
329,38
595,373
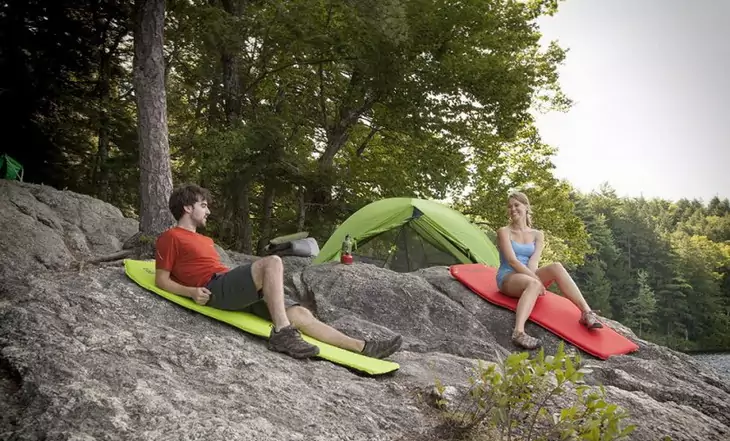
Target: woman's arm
539,246
506,247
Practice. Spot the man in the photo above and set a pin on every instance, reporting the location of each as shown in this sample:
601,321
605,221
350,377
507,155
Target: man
187,264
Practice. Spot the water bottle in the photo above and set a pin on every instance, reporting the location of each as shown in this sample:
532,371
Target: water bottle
346,254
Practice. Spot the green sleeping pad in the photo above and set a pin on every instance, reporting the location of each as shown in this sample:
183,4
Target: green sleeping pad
143,273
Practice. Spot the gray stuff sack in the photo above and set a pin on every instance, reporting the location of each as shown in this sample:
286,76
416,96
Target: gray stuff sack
306,247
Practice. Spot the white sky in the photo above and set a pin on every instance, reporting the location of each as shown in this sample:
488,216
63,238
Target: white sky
651,84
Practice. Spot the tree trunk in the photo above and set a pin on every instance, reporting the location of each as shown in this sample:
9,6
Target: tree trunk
149,88
302,215
243,222
231,88
265,224
108,49
356,103
101,171
231,81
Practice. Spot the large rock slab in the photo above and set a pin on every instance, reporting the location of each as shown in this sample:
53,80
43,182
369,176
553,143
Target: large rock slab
46,229
90,355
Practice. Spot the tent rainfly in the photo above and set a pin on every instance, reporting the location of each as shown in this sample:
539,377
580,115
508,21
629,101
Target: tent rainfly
406,234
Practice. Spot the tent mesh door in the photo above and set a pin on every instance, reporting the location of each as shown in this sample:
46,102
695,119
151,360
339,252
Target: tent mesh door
402,250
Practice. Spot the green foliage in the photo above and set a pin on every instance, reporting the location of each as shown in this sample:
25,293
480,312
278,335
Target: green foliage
517,399
525,164
66,111
643,306
339,104
654,267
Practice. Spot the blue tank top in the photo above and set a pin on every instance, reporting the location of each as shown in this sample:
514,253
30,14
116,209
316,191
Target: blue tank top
523,252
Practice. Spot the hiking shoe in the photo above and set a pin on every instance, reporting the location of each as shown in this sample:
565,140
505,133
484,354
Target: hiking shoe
525,341
382,348
590,320
289,341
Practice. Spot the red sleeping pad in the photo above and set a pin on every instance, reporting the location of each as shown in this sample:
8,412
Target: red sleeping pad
553,312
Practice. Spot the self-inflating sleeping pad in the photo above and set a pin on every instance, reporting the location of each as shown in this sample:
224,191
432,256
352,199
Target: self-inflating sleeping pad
553,312
143,273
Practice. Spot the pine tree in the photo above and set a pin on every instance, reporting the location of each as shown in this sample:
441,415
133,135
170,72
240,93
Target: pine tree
643,307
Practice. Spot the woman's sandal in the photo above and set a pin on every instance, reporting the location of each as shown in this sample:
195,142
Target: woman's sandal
525,341
590,320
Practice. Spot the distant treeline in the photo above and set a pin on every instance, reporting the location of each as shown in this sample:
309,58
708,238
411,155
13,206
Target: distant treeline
661,267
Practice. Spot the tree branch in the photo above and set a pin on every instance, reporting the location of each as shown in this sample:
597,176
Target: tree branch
361,149
322,102
108,258
288,65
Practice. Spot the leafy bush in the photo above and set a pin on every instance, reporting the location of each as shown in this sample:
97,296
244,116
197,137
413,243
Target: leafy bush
510,400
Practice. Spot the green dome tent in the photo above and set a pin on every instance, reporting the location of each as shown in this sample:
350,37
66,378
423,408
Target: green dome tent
405,234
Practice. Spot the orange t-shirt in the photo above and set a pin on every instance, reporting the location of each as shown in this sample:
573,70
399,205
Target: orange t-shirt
190,257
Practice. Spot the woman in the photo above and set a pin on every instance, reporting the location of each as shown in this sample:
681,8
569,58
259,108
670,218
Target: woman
520,248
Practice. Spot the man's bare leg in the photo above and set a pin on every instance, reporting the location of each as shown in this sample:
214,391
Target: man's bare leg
303,320
268,274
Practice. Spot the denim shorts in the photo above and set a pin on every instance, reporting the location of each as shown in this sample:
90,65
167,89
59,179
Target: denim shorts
502,272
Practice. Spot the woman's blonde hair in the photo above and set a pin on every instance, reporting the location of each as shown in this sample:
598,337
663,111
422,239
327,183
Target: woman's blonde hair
522,198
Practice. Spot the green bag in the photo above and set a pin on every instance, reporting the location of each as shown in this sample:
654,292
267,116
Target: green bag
10,168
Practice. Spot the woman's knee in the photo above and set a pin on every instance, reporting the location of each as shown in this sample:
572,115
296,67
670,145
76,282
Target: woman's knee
534,286
558,266
555,268
515,284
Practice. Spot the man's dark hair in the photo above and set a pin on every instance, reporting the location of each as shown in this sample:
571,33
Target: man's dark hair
185,196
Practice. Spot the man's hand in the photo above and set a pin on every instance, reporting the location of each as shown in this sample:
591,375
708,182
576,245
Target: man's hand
201,295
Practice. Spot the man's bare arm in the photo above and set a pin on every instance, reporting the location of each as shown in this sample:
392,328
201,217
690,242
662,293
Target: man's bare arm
201,295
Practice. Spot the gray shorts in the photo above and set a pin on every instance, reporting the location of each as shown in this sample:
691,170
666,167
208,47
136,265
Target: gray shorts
235,290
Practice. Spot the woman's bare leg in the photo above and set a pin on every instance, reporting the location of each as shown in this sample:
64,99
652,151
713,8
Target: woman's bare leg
556,272
527,290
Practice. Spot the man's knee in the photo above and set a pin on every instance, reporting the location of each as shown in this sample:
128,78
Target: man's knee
266,267
272,262
299,315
